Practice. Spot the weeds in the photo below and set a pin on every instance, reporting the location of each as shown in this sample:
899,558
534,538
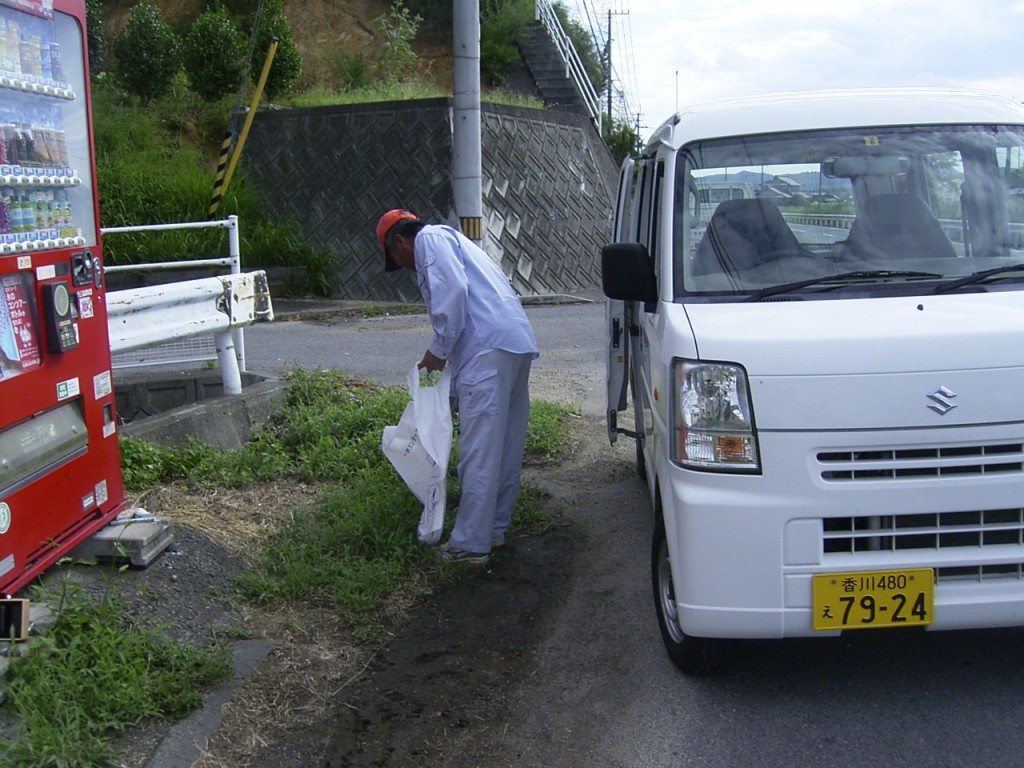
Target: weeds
355,550
357,546
93,675
546,433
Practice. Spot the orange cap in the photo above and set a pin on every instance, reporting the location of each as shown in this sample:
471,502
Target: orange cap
384,225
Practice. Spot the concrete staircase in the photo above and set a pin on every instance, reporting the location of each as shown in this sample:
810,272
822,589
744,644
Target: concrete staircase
547,68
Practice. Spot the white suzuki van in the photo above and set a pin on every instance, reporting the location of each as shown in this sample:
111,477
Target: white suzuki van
826,365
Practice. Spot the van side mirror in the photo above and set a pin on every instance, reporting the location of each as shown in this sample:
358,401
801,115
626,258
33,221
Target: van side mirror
627,273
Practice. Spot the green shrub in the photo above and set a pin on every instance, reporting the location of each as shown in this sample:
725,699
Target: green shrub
147,53
502,23
214,50
287,64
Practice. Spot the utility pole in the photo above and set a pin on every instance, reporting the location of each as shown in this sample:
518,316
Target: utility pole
467,184
608,71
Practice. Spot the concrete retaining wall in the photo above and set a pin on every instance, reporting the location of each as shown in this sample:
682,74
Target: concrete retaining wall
548,187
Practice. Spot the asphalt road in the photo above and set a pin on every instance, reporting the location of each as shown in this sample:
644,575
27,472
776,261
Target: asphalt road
603,693
385,348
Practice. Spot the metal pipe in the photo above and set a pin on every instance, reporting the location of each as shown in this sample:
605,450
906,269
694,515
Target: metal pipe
235,253
230,378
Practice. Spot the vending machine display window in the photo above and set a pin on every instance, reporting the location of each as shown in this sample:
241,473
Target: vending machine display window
46,184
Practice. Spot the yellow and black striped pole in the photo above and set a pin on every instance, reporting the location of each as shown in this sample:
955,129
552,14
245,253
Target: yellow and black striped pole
472,227
218,179
234,155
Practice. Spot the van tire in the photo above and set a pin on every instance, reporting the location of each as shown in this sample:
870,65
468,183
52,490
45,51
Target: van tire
692,655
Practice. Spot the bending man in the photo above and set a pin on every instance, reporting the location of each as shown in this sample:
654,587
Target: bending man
482,334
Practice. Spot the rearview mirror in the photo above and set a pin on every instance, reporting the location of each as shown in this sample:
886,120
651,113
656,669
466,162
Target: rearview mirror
864,165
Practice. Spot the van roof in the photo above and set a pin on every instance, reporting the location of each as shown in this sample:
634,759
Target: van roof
810,110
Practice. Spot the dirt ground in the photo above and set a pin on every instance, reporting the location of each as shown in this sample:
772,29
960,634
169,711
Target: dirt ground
425,694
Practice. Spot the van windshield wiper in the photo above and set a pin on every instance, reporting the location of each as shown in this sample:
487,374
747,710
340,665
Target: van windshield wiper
977,277
842,277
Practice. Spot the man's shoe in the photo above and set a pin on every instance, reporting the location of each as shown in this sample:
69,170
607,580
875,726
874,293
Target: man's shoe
450,554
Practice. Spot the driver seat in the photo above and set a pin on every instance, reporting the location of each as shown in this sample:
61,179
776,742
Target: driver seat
898,226
742,234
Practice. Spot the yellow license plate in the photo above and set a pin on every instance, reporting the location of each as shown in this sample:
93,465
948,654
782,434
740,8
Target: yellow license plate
870,599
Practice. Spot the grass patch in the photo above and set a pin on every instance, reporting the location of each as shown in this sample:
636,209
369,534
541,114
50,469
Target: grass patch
94,675
547,432
357,546
320,96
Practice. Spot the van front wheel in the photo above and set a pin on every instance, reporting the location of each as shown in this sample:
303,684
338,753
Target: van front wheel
692,655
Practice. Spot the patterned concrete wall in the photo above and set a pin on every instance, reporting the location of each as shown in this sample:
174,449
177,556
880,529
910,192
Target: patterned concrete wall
548,187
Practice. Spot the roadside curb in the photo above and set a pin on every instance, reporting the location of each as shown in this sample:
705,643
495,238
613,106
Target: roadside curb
186,739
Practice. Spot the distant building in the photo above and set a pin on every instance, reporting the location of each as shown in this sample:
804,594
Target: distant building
779,189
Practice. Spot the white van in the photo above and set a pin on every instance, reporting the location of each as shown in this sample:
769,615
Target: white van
827,375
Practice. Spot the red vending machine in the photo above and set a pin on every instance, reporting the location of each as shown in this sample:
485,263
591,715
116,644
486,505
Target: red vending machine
60,472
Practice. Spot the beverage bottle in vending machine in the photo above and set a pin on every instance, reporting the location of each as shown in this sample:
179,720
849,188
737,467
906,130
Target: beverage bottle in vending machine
10,143
28,214
6,225
17,213
55,67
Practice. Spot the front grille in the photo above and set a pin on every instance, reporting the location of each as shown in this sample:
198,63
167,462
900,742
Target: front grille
933,531
941,530
911,463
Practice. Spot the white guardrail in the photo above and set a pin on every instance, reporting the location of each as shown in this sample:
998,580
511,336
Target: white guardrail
953,228
544,12
222,306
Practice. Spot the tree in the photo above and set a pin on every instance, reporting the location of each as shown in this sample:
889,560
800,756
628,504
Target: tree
621,139
146,53
96,39
502,24
214,51
287,66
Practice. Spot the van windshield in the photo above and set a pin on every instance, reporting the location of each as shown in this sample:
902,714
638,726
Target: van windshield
836,214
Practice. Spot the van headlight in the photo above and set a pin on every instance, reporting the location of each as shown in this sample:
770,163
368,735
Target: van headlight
712,418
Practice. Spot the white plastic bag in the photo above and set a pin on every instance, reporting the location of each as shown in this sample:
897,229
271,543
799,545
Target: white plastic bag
418,447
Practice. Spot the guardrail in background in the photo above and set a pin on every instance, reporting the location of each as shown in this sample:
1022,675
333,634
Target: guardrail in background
216,308
953,228
834,220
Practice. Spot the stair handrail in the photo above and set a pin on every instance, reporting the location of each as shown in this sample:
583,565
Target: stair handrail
545,13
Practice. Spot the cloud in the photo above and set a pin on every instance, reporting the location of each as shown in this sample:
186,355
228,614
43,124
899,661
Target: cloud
707,50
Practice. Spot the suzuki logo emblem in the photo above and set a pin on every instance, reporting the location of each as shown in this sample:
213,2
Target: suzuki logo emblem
942,400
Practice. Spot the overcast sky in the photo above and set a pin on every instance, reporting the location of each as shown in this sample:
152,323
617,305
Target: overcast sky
728,48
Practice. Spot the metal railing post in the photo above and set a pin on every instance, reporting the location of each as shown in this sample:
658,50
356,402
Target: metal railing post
235,254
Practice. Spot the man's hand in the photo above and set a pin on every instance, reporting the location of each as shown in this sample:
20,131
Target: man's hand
431,362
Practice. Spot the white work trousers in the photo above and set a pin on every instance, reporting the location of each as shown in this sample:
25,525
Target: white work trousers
494,407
